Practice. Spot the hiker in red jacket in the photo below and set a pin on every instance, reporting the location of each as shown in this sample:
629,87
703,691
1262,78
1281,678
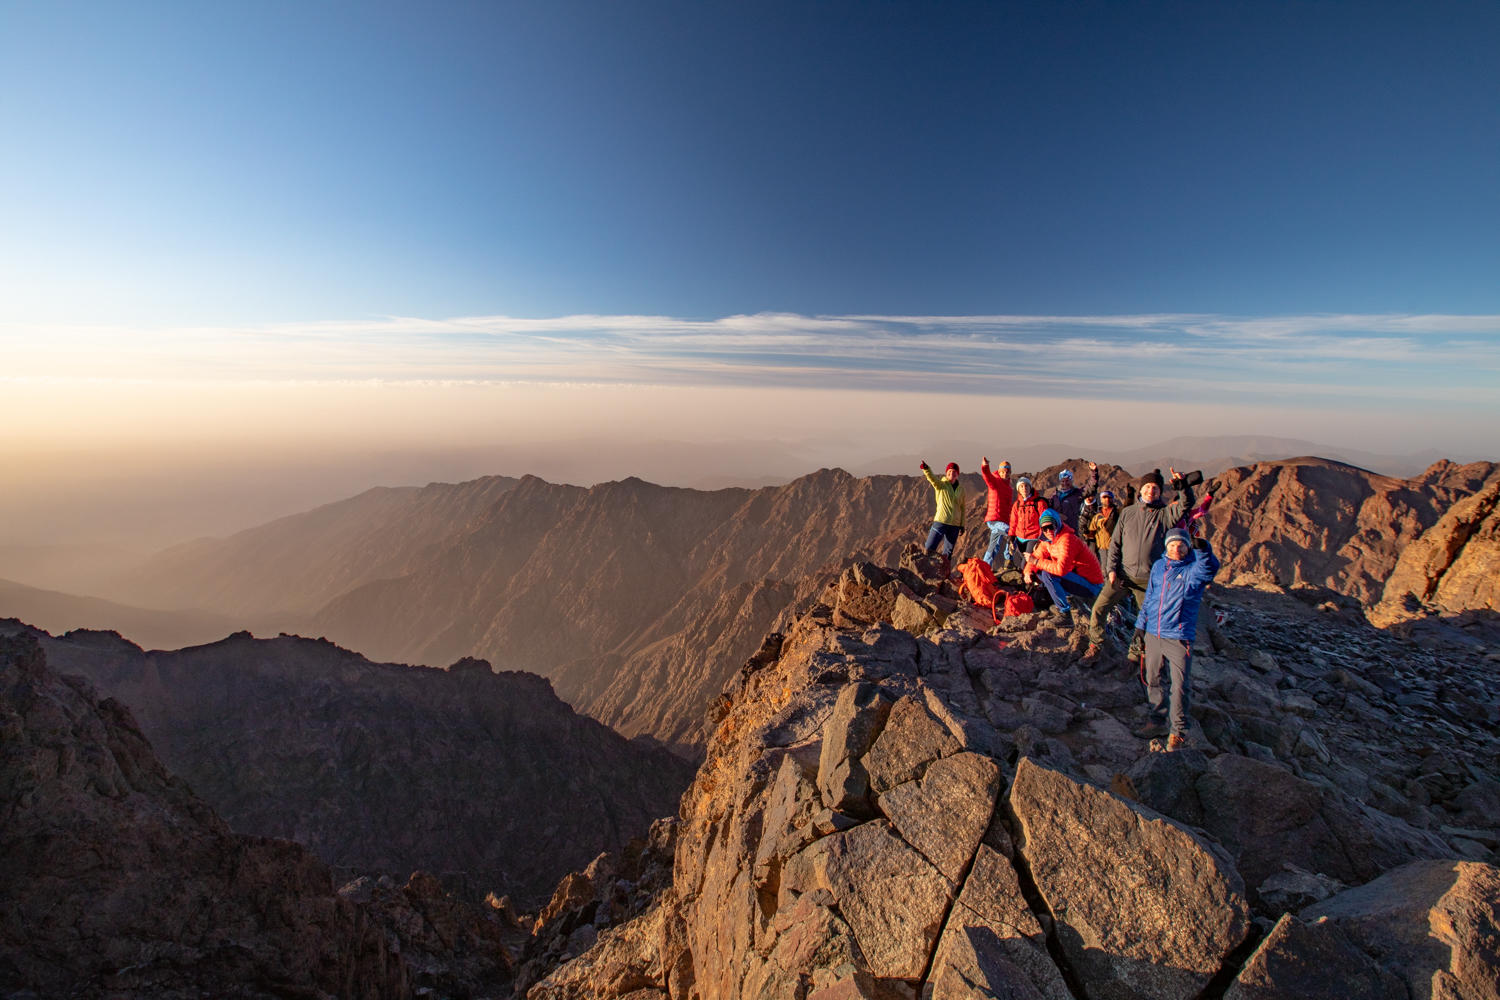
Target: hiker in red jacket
996,508
1025,520
1064,565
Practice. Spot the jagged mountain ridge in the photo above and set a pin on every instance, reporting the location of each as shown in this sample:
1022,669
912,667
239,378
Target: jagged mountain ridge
294,564
641,600
384,768
58,612
1315,523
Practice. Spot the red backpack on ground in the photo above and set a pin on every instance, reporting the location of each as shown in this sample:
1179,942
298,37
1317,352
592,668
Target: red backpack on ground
979,582
1018,604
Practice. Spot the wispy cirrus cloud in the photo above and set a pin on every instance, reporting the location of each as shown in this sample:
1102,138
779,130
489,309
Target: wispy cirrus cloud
1195,356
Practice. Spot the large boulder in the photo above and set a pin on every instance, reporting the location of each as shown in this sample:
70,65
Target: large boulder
944,814
858,716
913,737
993,945
1146,909
892,897
1301,962
1434,923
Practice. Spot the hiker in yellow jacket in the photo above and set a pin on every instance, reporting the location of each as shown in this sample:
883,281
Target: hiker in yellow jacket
948,522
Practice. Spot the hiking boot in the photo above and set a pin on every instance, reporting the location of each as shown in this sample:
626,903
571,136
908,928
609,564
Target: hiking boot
1150,729
1176,742
1091,655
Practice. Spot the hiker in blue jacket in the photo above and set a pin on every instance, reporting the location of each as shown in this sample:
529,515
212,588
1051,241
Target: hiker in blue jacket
1169,617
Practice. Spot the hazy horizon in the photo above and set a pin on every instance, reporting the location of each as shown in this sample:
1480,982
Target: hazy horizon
261,258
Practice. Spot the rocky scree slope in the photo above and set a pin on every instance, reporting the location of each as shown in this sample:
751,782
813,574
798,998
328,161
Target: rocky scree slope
485,779
901,799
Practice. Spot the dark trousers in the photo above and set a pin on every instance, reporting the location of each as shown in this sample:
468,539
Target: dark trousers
1062,589
1110,595
944,534
1176,655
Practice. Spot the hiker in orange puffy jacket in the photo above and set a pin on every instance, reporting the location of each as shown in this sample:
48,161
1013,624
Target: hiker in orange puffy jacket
996,508
1025,520
1064,565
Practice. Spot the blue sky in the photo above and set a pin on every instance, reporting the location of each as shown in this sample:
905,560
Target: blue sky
248,162
1280,218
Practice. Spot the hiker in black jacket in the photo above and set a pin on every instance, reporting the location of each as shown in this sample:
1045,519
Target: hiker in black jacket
1069,498
1137,542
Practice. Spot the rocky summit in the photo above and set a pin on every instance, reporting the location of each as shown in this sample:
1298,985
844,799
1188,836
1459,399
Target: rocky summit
902,798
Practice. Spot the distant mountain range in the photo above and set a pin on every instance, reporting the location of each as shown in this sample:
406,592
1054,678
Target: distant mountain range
1210,454
638,600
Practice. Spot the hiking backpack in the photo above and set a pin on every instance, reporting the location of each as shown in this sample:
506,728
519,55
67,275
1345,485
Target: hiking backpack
979,582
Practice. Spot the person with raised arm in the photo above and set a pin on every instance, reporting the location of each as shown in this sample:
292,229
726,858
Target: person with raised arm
997,507
1137,541
948,520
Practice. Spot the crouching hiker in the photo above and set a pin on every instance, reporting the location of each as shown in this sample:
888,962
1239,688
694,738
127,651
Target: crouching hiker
948,522
1169,617
996,508
1064,565
1134,546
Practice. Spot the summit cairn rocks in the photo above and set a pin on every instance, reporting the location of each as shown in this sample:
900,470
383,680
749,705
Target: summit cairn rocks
1145,908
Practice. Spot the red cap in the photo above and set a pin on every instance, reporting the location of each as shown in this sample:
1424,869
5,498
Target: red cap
953,466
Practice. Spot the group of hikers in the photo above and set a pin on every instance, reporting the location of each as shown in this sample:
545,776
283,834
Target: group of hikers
1090,550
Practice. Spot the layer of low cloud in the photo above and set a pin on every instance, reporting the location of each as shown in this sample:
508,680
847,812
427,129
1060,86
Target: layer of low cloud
140,437
1438,358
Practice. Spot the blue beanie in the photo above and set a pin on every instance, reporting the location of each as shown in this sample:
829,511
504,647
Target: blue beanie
1049,516
1178,535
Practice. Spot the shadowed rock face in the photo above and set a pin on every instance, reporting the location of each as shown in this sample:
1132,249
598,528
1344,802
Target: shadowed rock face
119,882
488,780
877,816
